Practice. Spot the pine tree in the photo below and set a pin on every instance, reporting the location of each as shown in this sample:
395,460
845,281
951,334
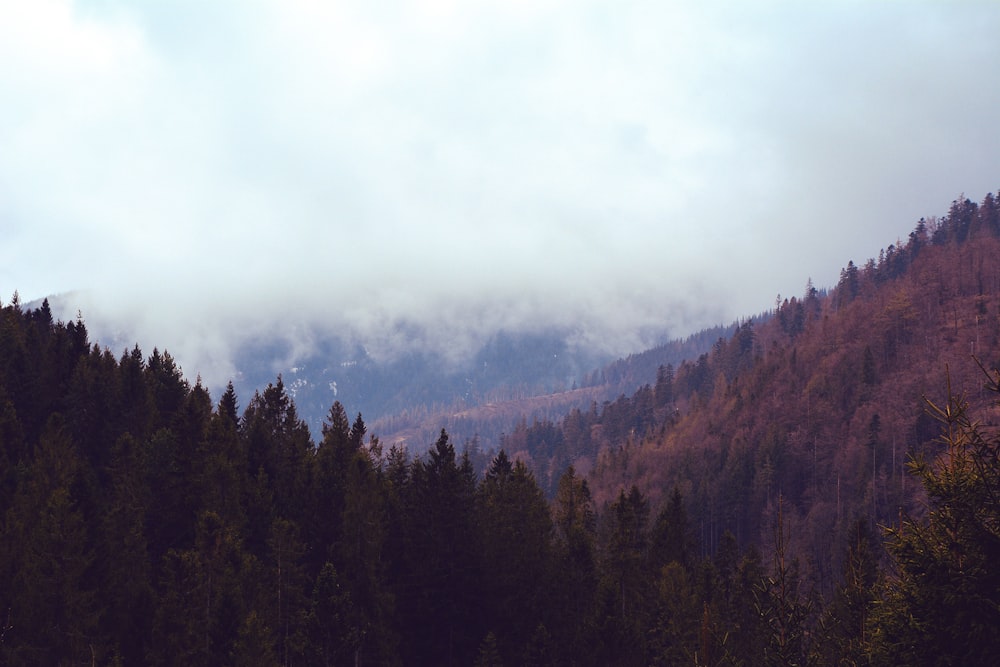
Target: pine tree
574,575
51,602
123,555
845,626
440,598
278,443
942,605
332,623
200,606
672,539
360,552
624,595
488,656
673,633
516,530
285,582
780,605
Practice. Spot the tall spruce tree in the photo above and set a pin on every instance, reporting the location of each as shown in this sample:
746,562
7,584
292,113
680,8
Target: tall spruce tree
440,597
516,531
942,605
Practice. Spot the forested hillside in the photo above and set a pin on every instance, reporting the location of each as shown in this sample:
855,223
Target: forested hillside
733,512
821,402
822,405
484,419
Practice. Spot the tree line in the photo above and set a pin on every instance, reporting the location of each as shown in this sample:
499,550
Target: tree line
143,523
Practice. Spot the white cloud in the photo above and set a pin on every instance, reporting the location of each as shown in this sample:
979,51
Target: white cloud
623,168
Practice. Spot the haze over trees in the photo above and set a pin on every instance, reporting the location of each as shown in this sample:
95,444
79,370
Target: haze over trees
789,497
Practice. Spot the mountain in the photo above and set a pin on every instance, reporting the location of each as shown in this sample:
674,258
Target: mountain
508,364
486,418
409,396
816,408
729,513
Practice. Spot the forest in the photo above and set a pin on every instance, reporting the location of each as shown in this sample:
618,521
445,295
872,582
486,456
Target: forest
822,488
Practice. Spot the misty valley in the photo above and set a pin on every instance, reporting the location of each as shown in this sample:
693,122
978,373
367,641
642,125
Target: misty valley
817,484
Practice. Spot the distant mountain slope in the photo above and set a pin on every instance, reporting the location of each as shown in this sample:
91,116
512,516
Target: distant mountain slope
817,407
826,405
412,396
509,364
488,418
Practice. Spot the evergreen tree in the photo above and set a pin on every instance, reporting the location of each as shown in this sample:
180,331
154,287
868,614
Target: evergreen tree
360,551
748,629
664,390
229,407
780,604
137,407
672,539
167,385
327,488
440,598
516,531
13,450
942,605
50,600
574,572
845,627
285,586
223,465
255,645
624,595
673,633
123,554
627,550
488,656
200,606
332,622
278,443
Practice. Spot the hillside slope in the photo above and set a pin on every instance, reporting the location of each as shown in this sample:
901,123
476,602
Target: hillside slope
486,419
820,405
824,404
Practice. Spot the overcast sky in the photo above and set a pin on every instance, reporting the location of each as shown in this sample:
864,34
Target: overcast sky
627,169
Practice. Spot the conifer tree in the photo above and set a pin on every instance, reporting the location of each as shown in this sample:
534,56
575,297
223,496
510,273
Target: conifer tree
440,598
488,655
516,529
123,553
672,539
574,571
780,604
942,605
624,595
360,551
327,488
843,635
333,631
50,599
278,443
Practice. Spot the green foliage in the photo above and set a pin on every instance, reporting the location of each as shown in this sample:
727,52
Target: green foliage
488,656
673,632
843,635
440,588
516,533
332,624
782,613
672,539
51,601
942,604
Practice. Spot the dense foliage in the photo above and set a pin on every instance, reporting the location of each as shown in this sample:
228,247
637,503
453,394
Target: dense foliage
144,523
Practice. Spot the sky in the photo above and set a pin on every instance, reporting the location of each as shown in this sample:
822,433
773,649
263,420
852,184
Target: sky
421,173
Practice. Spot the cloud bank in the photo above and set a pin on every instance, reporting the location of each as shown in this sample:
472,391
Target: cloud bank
209,174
